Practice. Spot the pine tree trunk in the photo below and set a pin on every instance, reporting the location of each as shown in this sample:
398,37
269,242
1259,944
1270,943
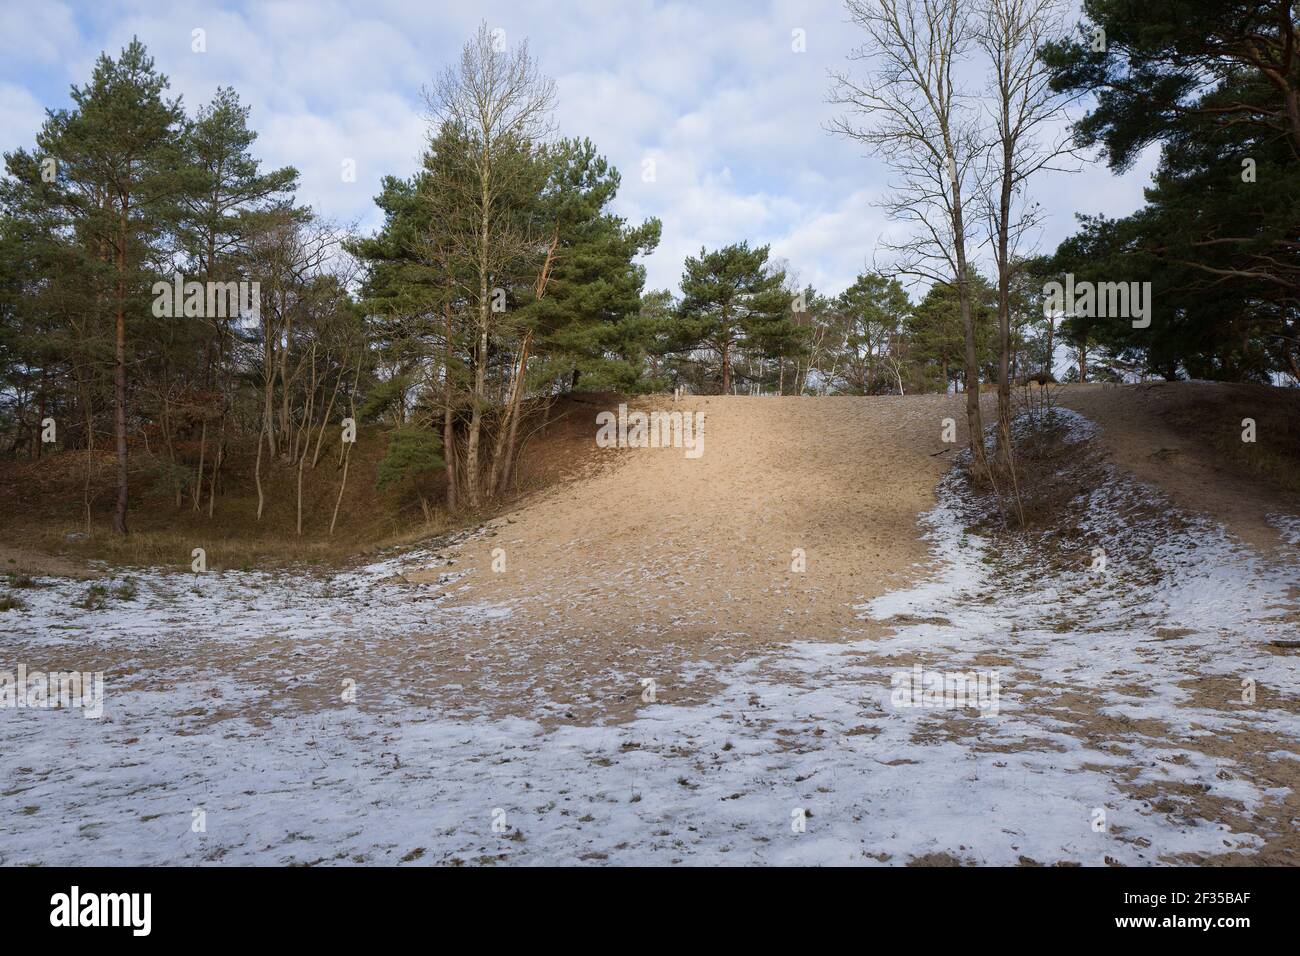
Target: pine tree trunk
476,419
203,451
347,457
257,472
119,378
449,419
301,462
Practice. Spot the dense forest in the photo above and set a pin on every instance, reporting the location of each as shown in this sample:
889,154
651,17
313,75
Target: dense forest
166,300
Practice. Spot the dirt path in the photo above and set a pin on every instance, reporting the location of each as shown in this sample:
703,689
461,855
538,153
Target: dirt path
1138,436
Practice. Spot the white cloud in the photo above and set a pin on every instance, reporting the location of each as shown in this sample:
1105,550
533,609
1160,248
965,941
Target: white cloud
20,116
34,34
731,115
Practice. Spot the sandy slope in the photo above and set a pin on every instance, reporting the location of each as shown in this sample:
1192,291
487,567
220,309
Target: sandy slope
1136,437
657,547
659,542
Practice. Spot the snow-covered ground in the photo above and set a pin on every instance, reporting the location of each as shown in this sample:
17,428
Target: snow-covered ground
1113,682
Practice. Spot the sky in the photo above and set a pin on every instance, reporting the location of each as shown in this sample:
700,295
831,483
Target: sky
713,98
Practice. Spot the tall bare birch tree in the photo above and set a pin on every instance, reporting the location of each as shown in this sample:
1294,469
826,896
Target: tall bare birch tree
1029,133
911,109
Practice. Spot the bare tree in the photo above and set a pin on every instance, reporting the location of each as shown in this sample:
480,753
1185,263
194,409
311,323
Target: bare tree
292,255
497,103
911,110
1029,133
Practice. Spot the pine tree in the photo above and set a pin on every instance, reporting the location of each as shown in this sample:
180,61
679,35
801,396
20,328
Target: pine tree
413,455
1218,86
587,316
732,302
938,337
230,201
121,172
873,310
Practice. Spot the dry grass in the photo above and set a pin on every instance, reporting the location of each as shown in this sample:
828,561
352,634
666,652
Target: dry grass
47,501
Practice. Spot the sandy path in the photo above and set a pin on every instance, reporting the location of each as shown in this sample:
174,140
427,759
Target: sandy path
1136,439
659,543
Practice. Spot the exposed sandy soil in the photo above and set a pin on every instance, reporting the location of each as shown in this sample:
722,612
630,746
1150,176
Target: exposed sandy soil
657,543
1137,435
656,547
658,562
655,562
22,560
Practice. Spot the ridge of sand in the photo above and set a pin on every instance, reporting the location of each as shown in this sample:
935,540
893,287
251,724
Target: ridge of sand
655,546
660,542
1136,437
